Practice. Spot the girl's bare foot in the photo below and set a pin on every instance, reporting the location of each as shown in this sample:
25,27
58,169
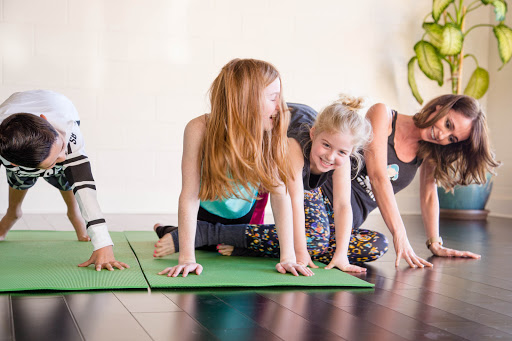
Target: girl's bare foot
225,250
164,246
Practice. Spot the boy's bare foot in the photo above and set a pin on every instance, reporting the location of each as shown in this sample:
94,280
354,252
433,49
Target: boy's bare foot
79,225
225,250
7,223
164,246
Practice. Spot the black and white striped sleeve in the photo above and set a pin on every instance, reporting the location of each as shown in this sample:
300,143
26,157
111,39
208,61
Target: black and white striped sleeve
77,169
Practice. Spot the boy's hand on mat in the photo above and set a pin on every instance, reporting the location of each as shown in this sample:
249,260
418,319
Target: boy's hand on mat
104,259
185,267
294,269
342,263
440,251
305,259
404,250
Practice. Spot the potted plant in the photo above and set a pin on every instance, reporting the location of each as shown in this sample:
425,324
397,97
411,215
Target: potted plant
441,44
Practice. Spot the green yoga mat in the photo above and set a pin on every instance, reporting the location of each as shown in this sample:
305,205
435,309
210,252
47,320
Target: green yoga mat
47,260
222,271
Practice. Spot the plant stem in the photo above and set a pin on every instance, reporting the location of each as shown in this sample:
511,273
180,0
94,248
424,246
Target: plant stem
451,18
472,9
474,58
479,25
461,55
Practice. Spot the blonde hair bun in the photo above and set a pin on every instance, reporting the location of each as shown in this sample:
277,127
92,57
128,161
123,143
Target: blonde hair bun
350,102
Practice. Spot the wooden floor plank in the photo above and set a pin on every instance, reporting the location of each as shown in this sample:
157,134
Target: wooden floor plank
467,311
102,317
146,302
211,312
176,325
331,317
6,331
46,318
276,318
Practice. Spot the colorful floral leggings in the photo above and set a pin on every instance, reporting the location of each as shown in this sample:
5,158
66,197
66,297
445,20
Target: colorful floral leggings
364,246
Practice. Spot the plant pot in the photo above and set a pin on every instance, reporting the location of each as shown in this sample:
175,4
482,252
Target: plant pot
466,202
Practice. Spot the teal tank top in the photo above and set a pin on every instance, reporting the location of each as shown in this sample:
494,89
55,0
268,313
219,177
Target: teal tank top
232,207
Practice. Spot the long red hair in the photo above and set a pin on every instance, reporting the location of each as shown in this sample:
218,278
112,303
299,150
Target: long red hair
236,149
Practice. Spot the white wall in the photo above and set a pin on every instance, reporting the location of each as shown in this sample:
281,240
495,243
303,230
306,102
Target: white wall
138,70
499,111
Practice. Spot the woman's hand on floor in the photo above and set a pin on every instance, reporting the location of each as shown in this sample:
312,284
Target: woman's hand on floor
404,250
294,269
441,251
186,268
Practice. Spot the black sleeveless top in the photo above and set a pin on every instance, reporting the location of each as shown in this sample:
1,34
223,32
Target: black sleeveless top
400,173
302,119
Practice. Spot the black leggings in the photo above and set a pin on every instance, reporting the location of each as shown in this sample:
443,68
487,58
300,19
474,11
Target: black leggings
261,240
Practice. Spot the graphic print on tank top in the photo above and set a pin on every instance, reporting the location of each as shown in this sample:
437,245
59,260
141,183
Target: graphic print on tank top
364,181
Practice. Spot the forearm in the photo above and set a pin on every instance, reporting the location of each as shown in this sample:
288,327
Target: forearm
299,231
77,171
187,222
281,208
385,197
430,215
343,227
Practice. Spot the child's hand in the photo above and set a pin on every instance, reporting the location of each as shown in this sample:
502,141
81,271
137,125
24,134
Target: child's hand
305,259
293,268
185,267
341,262
104,259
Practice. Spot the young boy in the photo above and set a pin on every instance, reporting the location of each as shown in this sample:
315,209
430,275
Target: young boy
40,137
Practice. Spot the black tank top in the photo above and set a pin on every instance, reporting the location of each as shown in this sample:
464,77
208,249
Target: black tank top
400,173
302,119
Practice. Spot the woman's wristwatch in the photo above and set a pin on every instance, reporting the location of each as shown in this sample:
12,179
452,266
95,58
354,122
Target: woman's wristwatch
433,240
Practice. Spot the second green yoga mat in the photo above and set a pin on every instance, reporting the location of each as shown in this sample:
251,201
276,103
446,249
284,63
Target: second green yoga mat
222,271
47,260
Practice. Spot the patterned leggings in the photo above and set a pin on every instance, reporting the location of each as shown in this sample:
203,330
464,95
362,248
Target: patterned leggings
364,246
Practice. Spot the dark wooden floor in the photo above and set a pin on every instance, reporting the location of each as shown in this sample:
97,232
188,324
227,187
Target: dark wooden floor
456,300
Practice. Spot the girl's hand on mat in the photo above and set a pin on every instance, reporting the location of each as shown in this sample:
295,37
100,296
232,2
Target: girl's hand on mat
404,250
305,260
294,269
185,267
104,259
341,262
440,251
344,266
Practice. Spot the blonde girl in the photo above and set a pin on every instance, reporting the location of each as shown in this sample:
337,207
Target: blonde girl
230,153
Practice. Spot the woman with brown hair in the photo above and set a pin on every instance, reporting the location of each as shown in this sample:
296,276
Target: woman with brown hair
447,140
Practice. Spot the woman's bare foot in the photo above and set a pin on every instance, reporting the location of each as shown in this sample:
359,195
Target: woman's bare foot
164,246
225,250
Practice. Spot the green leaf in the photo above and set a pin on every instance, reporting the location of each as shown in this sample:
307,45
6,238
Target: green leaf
504,35
412,80
429,61
452,40
478,83
500,8
438,7
435,33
